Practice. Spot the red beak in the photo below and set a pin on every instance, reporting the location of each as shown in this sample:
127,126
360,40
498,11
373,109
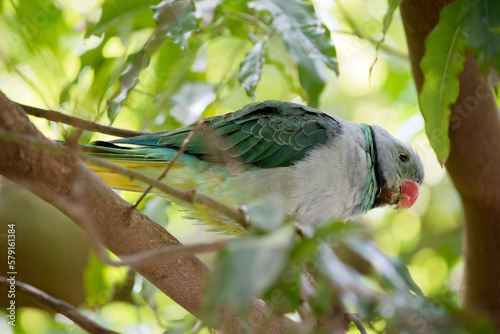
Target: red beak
409,194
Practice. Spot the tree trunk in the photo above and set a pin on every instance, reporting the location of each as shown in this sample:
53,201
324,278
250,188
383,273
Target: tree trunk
473,163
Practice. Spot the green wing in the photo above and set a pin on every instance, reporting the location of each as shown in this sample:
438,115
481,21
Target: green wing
266,134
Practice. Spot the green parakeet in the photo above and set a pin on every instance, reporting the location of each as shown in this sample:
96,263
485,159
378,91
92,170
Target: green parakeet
320,167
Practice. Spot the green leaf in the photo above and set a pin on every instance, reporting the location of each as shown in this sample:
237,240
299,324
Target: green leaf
97,289
177,19
128,80
392,5
156,209
306,38
482,31
101,281
441,65
174,21
266,214
310,74
251,68
114,11
390,268
247,268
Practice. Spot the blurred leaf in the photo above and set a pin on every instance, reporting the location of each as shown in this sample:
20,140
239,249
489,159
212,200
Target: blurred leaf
98,291
339,274
266,214
482,31
40,22
251,68
128,80
306,38
442,63
189,102
103,281
297,20
144,290
156,209
234,6
246,268
114,11
390,268
392,5
177,18
336,278
310,74
172,18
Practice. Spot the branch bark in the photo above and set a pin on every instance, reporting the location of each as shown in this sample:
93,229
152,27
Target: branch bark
59,306
66,183
473,162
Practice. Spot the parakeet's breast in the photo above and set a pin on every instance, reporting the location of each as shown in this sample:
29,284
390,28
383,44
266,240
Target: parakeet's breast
329,183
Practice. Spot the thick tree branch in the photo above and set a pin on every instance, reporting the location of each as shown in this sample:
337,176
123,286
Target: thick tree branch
60,306
473,163
61,179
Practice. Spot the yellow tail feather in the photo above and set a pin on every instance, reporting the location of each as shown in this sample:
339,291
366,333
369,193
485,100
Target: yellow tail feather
118,181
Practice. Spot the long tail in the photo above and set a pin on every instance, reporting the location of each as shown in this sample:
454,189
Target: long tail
123,156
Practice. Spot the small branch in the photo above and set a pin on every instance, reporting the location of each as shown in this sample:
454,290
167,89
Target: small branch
351,317
60,306
357,32
169,166
186,196
77,122
171,252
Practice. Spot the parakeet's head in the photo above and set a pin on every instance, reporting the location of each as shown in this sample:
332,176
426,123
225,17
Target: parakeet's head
400,171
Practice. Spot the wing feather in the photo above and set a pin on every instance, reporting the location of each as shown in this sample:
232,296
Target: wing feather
265,134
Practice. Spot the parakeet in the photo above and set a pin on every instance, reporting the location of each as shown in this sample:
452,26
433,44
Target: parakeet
320,167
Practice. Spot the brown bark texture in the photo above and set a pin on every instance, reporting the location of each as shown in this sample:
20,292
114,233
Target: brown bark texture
67,184
473,163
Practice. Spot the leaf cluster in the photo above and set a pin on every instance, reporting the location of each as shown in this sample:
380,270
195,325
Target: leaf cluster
472,25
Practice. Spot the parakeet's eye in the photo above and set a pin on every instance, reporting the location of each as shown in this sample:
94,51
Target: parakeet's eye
403,157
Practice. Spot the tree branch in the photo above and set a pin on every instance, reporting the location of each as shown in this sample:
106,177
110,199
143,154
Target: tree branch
56,178
77,122
60,306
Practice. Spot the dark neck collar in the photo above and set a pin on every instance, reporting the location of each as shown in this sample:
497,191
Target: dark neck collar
376,166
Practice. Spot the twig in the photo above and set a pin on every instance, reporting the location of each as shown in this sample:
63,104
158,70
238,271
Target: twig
77,122
361,35
190,196
167,251
186,196
169,166
351,317
142,258
58,305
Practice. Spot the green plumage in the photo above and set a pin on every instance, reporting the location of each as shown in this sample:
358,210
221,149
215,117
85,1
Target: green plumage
371,188
265,134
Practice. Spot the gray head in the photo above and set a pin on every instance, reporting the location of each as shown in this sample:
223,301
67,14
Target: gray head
401,170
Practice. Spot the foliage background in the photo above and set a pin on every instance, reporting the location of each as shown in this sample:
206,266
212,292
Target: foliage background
73,56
